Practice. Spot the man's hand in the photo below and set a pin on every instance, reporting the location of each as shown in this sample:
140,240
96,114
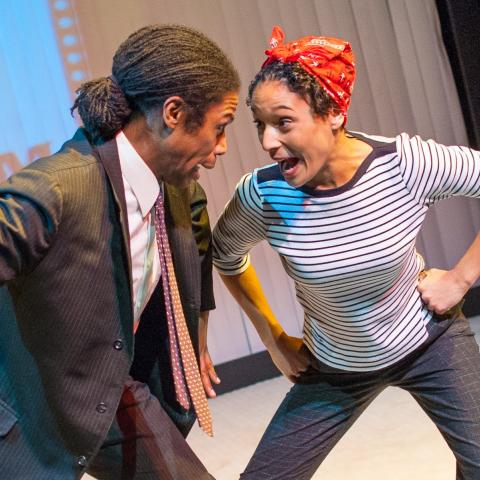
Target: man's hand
290,356
207,370
441,289
207,373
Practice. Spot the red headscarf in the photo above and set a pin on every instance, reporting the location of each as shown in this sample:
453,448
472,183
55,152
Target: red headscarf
329,60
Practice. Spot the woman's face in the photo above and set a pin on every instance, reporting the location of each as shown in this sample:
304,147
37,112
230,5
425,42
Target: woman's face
300,141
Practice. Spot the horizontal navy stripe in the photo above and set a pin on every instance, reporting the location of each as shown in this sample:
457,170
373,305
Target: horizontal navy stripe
351,250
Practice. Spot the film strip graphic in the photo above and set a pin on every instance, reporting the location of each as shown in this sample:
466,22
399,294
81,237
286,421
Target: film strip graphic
69,42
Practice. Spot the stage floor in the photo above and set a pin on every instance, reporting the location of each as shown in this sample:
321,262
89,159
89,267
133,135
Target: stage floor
393,439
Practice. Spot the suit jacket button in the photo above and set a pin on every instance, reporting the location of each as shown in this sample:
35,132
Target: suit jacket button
101,407
118,345
82,461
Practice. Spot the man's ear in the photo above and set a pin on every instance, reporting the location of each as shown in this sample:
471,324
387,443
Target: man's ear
173,112
336,120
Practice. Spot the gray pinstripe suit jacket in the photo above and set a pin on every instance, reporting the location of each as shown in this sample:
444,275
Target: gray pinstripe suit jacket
66,341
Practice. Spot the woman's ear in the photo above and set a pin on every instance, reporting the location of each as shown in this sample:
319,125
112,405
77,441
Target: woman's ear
336,120
173,112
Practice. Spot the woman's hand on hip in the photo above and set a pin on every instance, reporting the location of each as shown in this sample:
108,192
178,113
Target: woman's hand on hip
441,289
290,356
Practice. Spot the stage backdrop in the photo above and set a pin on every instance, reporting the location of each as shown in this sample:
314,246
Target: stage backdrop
47,48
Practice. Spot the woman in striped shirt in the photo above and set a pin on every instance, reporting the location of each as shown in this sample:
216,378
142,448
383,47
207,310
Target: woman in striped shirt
343,210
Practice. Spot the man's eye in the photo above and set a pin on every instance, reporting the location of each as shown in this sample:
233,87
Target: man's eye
221,129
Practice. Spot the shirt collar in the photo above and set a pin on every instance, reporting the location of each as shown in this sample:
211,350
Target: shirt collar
141,179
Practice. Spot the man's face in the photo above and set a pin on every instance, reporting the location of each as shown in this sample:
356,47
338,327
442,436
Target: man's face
188,150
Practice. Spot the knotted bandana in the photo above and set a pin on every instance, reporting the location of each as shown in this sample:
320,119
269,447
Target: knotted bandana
329,60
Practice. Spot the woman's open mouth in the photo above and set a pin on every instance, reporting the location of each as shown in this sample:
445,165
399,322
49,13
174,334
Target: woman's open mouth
288,165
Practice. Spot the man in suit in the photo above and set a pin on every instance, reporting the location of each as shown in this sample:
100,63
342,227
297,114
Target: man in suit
85,368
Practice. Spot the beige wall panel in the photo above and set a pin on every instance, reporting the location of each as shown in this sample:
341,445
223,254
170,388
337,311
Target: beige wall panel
404,83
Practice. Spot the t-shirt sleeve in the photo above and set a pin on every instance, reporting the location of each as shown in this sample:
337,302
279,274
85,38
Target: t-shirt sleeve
240,227
432,171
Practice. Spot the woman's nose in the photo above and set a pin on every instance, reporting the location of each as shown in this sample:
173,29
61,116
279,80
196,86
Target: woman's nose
269,139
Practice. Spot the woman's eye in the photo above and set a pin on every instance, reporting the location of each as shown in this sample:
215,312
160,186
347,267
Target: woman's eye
258,124
283,122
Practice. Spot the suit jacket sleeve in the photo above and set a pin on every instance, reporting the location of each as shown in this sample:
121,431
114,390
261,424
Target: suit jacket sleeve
203,237
30,211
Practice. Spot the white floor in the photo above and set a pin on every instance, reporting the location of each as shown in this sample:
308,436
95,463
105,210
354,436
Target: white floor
392,440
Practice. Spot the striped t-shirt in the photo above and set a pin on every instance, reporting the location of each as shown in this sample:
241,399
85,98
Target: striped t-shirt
351,250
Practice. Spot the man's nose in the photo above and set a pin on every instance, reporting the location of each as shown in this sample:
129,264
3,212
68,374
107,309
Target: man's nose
221,147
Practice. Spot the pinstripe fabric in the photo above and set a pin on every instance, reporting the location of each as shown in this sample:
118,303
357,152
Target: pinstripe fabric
65,308
58,362
153,450
351,250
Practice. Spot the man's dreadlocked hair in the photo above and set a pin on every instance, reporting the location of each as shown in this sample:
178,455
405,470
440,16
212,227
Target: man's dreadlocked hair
151,65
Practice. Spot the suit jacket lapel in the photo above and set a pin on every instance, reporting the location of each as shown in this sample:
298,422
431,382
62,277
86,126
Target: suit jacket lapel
177,218
108,156
107,153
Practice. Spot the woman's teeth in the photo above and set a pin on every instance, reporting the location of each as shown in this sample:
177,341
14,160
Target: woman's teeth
288,164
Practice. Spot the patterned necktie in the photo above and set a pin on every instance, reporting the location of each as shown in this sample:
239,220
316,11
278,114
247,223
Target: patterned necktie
180,343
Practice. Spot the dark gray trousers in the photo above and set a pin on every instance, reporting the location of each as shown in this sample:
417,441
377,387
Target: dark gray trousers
443,377
144,444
